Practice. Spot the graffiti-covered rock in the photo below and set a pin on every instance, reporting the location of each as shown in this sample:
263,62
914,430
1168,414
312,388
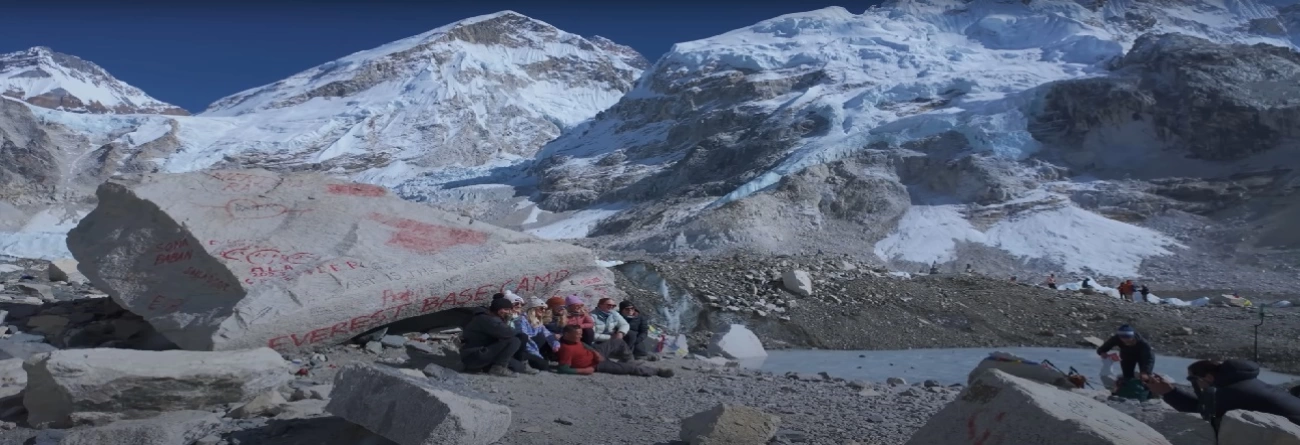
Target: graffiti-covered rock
239,259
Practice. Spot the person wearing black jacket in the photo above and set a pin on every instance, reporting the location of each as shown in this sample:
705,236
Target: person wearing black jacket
639,329
1219,387
1134,352
488,343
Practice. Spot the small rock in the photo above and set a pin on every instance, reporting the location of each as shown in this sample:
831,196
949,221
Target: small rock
40,291
895,381
729,424
868,392
856,384
931,383
875,418
392,341
531,429
211,439
267,404
1183,331
374,347
563,421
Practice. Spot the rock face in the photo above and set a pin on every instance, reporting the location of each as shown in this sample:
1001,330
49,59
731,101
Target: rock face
137,383
179,427
238,259
412,411
1252,428
737,342
1001,408
729,425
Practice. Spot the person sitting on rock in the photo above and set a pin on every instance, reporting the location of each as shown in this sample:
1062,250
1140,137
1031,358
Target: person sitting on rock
610,329
577,315
525,330
1051,281
1144,290
557,317
1134,352
488,342
638,330
541,344
1236,387
577,358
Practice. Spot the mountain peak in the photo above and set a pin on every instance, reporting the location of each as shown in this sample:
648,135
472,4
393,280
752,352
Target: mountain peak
45,78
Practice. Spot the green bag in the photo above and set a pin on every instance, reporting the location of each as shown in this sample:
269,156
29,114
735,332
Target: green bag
1134,389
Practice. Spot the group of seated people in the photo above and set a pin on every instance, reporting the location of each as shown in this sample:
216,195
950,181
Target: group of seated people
512,335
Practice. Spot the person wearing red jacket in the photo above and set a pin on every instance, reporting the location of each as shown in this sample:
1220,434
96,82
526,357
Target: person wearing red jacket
574,357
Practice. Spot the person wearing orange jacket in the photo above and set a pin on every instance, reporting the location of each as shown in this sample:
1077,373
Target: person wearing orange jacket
1126,290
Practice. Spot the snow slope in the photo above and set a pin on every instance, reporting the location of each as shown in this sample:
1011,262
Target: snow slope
59,81
719,120
488,87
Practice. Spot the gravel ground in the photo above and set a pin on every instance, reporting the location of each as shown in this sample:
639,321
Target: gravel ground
853,307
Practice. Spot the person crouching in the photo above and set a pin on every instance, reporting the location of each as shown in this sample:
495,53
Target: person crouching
489,343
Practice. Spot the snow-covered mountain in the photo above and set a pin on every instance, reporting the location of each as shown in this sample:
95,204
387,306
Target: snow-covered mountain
484,91
48,79
487,88
922,131
1119,137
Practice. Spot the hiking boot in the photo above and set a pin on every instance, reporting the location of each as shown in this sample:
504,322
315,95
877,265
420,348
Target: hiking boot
651,358
530,370
664,372
501,371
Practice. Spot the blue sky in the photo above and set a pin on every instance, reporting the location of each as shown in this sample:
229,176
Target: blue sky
193,52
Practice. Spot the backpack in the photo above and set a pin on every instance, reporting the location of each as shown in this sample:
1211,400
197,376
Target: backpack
1134,389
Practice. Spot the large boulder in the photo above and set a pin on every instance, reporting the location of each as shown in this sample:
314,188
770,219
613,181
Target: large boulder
131,384
1002,408
240,259
179,427
1252,428
729,425
413,411
737,342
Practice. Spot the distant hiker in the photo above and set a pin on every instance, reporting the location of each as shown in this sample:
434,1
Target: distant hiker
1235,387
1013,278
1126,290
969,269
489,343
1144,290
1134,351
1086,284
575,357
577,315
934,268
1051,281
638,330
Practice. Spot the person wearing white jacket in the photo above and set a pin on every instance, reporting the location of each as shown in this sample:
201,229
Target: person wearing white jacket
609,323
610,329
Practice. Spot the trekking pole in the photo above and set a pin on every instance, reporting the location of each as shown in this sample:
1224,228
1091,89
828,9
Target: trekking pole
1261,323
